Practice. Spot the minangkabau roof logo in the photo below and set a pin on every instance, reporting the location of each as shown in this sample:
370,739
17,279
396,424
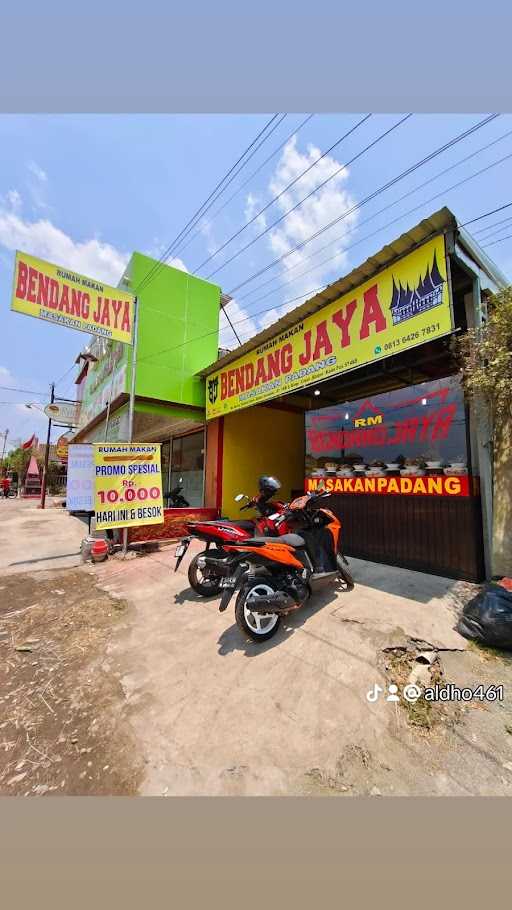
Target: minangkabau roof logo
407,302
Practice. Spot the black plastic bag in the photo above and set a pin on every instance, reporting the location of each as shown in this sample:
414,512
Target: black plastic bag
488,618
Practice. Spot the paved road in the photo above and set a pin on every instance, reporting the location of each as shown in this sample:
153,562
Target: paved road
32,539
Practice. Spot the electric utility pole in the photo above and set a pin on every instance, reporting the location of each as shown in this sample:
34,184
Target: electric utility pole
47,450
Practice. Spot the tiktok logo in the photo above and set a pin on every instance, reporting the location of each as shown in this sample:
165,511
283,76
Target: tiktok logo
373,694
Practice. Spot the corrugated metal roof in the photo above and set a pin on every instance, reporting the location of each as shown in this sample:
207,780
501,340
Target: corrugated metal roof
440,222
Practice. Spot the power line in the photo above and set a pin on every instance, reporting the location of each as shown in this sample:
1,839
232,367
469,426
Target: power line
6,388
350,230
493,225
323,287
150,275
285,190
486,215
212,218
494,233
312,193
364,201
500,240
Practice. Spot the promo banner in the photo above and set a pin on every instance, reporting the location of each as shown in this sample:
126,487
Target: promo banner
128,485
66,298
406,305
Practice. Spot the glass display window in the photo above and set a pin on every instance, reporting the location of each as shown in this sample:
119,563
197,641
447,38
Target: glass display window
418,429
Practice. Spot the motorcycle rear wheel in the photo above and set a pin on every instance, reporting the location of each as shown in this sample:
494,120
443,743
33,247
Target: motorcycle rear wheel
205,585
257,627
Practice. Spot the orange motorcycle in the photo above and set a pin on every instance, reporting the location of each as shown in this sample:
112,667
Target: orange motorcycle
277,575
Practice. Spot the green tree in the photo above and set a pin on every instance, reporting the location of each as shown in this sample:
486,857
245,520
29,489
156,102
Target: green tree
485,355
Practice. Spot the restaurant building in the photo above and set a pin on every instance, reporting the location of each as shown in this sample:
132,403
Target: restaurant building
178,325
358,392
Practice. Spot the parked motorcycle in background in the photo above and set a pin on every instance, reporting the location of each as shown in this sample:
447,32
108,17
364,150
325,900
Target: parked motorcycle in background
175,500
276,576
204,570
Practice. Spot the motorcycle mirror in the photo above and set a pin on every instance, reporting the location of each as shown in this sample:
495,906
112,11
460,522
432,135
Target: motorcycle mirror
240,496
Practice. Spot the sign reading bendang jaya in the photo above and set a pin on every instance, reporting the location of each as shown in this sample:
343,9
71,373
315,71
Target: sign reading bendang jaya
404,306
66,298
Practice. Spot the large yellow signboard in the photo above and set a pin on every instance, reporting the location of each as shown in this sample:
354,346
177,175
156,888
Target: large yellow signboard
66,298
127,485
404,306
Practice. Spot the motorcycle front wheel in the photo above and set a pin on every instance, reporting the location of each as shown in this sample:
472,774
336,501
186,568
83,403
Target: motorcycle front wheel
258,627
204,583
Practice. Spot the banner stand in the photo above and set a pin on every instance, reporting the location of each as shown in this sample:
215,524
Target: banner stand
132,395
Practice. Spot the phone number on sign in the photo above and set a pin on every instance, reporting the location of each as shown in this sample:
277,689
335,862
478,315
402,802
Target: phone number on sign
412,337
129,494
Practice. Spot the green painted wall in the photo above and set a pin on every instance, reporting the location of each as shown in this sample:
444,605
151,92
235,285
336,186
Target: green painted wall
178,332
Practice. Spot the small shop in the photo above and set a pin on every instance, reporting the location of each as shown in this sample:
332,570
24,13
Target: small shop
178,318
358,392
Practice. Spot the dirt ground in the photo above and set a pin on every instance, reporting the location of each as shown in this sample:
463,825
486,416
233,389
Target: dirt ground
62,728
118,679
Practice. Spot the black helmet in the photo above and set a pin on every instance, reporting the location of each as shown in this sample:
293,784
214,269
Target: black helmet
268,486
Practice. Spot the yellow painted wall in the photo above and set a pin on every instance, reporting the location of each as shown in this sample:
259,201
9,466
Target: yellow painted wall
261,440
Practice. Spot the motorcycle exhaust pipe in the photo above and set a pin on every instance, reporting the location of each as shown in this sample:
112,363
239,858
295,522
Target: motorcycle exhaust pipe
221,567
273,603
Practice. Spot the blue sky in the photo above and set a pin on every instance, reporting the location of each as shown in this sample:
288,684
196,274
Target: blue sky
85,191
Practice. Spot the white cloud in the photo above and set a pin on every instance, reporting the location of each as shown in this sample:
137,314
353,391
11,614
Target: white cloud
245,326
41,238
312,215
14,200
156,250
37,172
253,205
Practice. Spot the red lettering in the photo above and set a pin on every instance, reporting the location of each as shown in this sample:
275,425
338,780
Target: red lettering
323,345
116,306
305,357
76,299
64,301
31,289
249,375
21,287
126,324
240,385
372,313
343,318
286,358
42,291
260,371
85,306
223,385
53,298
274,364
444,421
231,382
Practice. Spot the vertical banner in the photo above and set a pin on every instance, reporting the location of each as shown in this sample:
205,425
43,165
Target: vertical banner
128,485
80,479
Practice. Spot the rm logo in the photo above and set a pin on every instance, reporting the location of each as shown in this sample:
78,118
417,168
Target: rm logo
368,421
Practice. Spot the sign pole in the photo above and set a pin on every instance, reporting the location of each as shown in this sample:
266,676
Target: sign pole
47,450
131,410
5,435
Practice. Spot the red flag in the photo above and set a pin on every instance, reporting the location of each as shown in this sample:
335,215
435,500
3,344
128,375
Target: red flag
29,443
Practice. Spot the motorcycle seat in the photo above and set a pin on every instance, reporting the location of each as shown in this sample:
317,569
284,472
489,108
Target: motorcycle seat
293,540
246,525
